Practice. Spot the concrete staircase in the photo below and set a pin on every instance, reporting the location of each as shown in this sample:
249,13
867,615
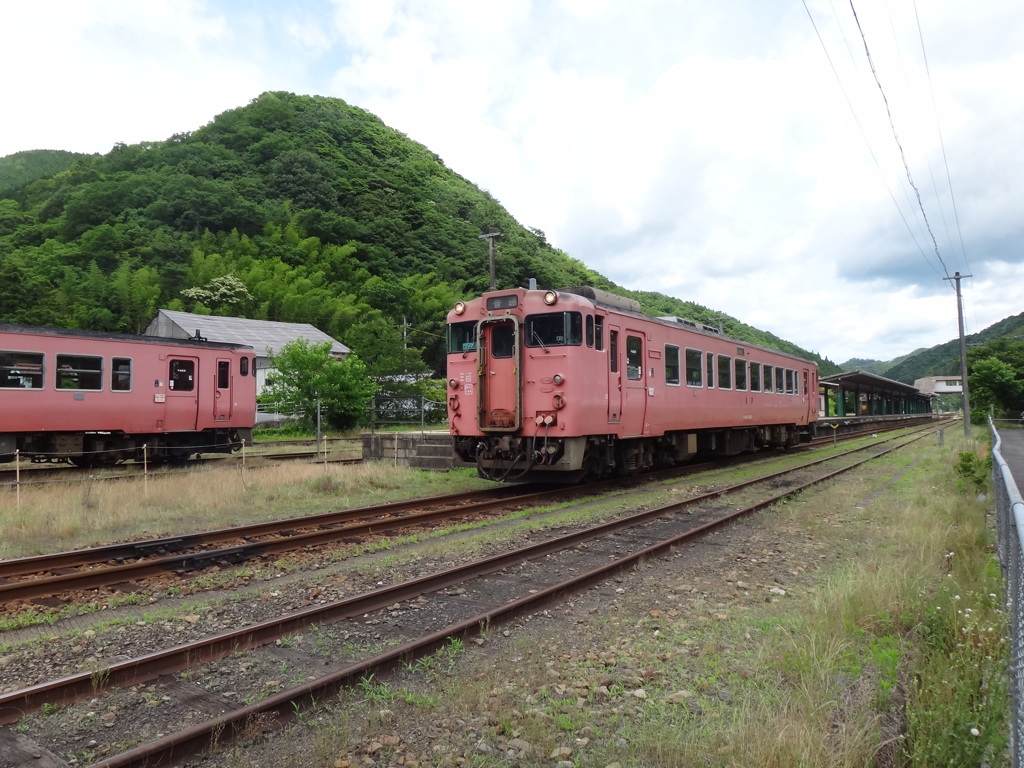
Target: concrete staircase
430,451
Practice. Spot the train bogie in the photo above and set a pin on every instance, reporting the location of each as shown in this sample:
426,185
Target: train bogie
573,383
99,398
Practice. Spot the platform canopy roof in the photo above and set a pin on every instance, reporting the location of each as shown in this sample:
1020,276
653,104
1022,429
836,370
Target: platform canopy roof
868,382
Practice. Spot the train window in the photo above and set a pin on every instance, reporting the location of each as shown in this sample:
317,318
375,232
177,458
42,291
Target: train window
613,351
590,330
121,374
503,340
554,329
223,374
182,375
462,337
671,364
741,374
21,370
767,378
805,382
693,368
634,358
724,372
780,381
79,372
243,366
599,333
790,382
711,370
755,377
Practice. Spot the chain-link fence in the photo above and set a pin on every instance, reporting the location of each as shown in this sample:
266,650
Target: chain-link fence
391,412
1009,528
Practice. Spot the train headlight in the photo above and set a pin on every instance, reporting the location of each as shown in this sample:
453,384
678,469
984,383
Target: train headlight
460,307
550,297
558,378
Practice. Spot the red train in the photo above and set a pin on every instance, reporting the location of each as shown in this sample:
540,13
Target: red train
578,383
97,398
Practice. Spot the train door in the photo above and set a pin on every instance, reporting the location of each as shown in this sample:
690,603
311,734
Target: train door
634,389
182,401
498,393
222,399
614,376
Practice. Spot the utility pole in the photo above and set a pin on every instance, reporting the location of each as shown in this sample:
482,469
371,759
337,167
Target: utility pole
963,352
489,237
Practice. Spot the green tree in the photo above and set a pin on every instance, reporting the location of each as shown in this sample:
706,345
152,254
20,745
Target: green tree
304,373
993,385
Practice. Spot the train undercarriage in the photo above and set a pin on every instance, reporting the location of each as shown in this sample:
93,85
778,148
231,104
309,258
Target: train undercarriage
512,458
100,449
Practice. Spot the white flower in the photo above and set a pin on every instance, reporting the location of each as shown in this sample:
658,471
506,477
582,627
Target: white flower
975,732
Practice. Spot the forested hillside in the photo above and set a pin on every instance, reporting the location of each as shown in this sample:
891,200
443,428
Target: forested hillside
23,168
292,208
945,358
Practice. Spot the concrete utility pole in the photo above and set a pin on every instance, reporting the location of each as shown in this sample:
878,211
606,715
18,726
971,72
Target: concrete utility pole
963,352
489,237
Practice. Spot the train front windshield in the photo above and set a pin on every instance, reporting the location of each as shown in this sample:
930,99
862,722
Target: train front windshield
554,329
462,337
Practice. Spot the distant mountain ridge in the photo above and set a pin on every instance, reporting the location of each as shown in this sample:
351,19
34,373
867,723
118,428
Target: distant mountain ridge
23,168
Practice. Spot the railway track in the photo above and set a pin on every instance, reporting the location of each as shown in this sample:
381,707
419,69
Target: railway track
475,595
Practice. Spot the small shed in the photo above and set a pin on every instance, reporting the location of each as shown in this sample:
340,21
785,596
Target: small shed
265,336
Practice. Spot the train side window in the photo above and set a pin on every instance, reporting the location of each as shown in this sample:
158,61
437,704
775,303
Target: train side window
693,368
21,370
613,351
243,366
634,358
780,381
223,374
121,374
741,374
182,375
767,378
790,383
755,377
599,333
590,330
711,370
805,382
79,372
724,372
671,364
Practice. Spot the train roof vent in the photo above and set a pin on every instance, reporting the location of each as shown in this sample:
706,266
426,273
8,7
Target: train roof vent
604,298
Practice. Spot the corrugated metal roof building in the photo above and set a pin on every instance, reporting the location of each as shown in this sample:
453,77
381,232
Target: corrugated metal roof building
265,336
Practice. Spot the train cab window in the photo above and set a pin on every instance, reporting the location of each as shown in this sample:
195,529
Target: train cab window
767,378
243,366
79,372
503,340
462,337
21,370
693,368
554,329
599,333
613,351
590,330
755,377
724,372
121,374
780,381
671,364
711,370
182,376
223,374
634,358
741,374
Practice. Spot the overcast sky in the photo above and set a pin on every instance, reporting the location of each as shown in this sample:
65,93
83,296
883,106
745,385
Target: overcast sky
735,153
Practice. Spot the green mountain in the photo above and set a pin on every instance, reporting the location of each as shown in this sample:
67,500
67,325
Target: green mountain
944,358
23,168
291,208
877,367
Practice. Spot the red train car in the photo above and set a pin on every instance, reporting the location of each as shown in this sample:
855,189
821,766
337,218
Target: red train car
97,398
579,383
